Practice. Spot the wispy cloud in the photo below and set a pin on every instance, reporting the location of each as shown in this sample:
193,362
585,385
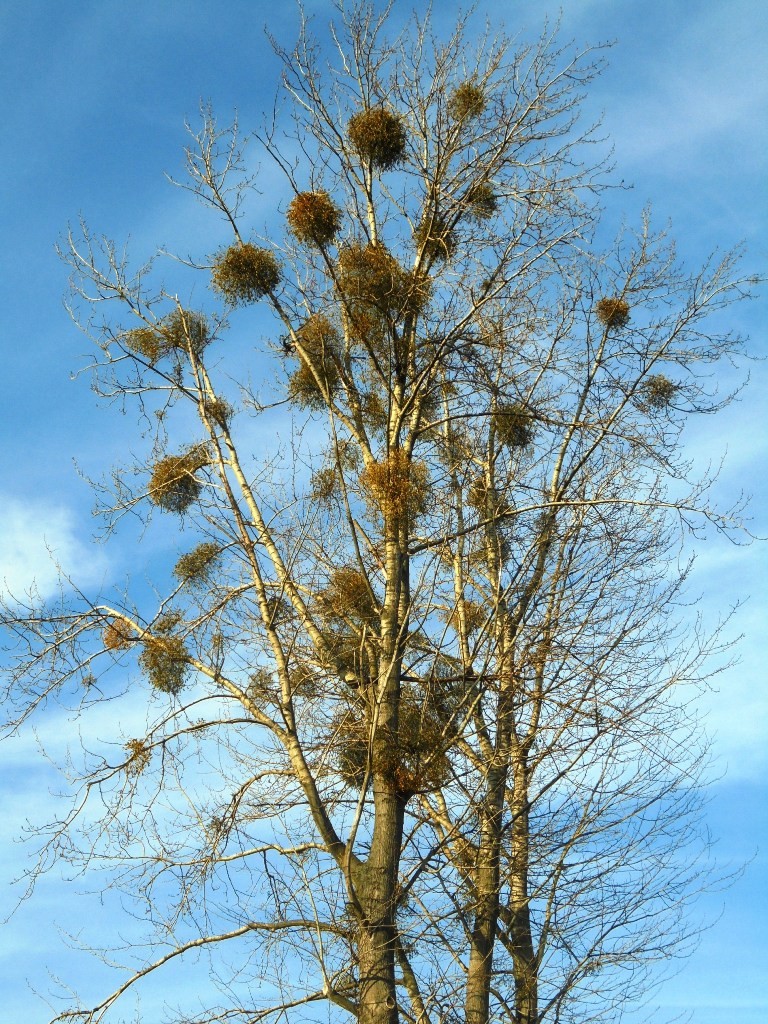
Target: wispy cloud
40,546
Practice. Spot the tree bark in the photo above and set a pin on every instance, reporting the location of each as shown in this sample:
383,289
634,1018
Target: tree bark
524,965
477,1002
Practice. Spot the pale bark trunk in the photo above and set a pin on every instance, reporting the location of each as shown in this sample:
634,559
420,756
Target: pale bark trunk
477,1000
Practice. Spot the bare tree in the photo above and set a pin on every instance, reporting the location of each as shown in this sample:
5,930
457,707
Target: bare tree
418,743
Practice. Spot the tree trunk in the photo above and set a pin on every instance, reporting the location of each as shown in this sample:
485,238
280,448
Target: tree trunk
478,988
524,963
375,890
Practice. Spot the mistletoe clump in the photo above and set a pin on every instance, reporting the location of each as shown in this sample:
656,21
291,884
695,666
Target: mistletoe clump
658,391
487,499
513,425
415,760
318,374
435,237
314,218
482,203
218,410
613,312
372,277
378,137
182,330
145,342
471,614
139,754
117,635
165,658
173,485
397,486
245,273
348,596
197,565
466,102
185,331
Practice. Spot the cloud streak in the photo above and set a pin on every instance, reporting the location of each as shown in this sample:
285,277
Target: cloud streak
40,547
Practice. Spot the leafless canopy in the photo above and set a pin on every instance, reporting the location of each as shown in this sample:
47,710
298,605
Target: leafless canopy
418,745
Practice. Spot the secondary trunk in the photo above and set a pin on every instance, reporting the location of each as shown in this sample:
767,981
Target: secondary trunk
524,961
477,1000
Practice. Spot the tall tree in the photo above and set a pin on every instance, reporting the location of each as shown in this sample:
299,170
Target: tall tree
416,744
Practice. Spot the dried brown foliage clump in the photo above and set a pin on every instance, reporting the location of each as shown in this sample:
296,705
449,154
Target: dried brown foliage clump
245,273
318,373
348,596
435,237
173,485
145,342
196,566
482,202
117,635
417,761
486,499
372,276
397,486
182,330
165,658
474,614
513,425
314,218
139,755
658,391
612,312
467,101
378,137
219,410
324,484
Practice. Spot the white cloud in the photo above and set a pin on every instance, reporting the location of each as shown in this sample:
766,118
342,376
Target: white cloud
39,544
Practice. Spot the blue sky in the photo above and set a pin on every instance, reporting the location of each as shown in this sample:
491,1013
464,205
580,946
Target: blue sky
94,97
